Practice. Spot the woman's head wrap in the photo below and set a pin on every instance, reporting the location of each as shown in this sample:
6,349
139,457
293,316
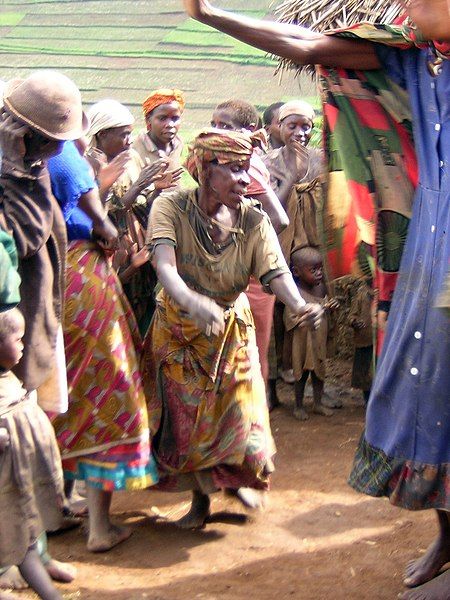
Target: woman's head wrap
107,114
296,107
223,146
163,96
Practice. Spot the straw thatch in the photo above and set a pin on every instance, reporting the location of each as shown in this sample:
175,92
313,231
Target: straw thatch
322,15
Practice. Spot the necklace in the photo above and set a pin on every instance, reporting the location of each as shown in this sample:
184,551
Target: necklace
434,62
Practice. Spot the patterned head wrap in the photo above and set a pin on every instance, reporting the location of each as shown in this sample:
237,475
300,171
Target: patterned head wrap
296,107
221,145
163,96
107,114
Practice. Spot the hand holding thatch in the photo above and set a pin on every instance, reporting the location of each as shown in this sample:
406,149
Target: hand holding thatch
432,17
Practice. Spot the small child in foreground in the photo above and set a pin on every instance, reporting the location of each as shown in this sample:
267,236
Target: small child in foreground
31,481
309,347
360,319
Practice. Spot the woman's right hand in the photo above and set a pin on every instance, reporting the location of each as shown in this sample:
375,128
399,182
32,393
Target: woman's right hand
300,160
206,314
110,172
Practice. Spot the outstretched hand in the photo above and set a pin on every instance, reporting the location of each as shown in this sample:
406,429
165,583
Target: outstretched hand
169,179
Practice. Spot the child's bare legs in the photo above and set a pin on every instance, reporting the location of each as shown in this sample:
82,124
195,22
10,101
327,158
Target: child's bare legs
35,574
103,535
318,407
58,571
299,411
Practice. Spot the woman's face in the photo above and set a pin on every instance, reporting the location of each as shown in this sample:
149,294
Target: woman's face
164,122
115,140
39,147
228,183
296,127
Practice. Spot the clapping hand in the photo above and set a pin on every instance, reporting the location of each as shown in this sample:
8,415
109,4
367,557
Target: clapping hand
169,179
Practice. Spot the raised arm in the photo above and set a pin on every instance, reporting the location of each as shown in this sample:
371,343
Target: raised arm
292,42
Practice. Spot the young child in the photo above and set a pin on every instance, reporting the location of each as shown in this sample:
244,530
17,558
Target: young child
309,348
360,319
31,481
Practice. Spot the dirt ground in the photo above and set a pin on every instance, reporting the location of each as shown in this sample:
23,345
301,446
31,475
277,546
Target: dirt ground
317,539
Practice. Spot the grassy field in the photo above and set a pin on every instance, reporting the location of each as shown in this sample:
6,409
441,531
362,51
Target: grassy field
124,48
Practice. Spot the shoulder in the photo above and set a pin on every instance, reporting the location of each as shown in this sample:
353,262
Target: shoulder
272,156
253,215
176,201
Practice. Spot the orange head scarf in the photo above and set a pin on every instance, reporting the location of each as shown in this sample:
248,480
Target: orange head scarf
221,145
163,96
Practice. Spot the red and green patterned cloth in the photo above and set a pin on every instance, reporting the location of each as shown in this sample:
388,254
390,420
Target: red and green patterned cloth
372,165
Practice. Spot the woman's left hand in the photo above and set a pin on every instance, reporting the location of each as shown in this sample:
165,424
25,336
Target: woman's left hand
169,179
311,315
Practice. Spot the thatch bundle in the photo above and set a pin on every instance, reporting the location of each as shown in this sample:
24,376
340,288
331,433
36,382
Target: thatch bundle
322,15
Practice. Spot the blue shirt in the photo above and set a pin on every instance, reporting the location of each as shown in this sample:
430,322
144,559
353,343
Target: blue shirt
71,178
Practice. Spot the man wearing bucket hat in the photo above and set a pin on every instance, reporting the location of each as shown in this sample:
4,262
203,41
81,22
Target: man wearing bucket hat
404,453
39,114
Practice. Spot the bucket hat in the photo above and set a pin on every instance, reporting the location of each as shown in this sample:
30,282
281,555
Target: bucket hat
48,102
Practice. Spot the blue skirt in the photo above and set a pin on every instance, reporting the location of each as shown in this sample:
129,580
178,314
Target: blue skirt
405,451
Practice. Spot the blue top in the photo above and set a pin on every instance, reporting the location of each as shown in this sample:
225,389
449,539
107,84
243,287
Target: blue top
71,178
409,410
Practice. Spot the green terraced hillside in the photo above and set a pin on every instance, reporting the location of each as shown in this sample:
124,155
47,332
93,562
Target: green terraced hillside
125,48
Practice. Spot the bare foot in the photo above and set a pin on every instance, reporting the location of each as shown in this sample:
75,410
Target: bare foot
428,566
331,402
436,589
320,409
12,580
59,571
198,513
249,497
300,414
116,535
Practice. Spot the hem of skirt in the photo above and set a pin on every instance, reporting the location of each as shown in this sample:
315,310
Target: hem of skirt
214,479
408,484
113,478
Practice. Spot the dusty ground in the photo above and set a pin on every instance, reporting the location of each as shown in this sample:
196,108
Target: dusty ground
316,540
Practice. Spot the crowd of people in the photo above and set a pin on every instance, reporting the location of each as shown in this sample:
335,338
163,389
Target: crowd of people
144,323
